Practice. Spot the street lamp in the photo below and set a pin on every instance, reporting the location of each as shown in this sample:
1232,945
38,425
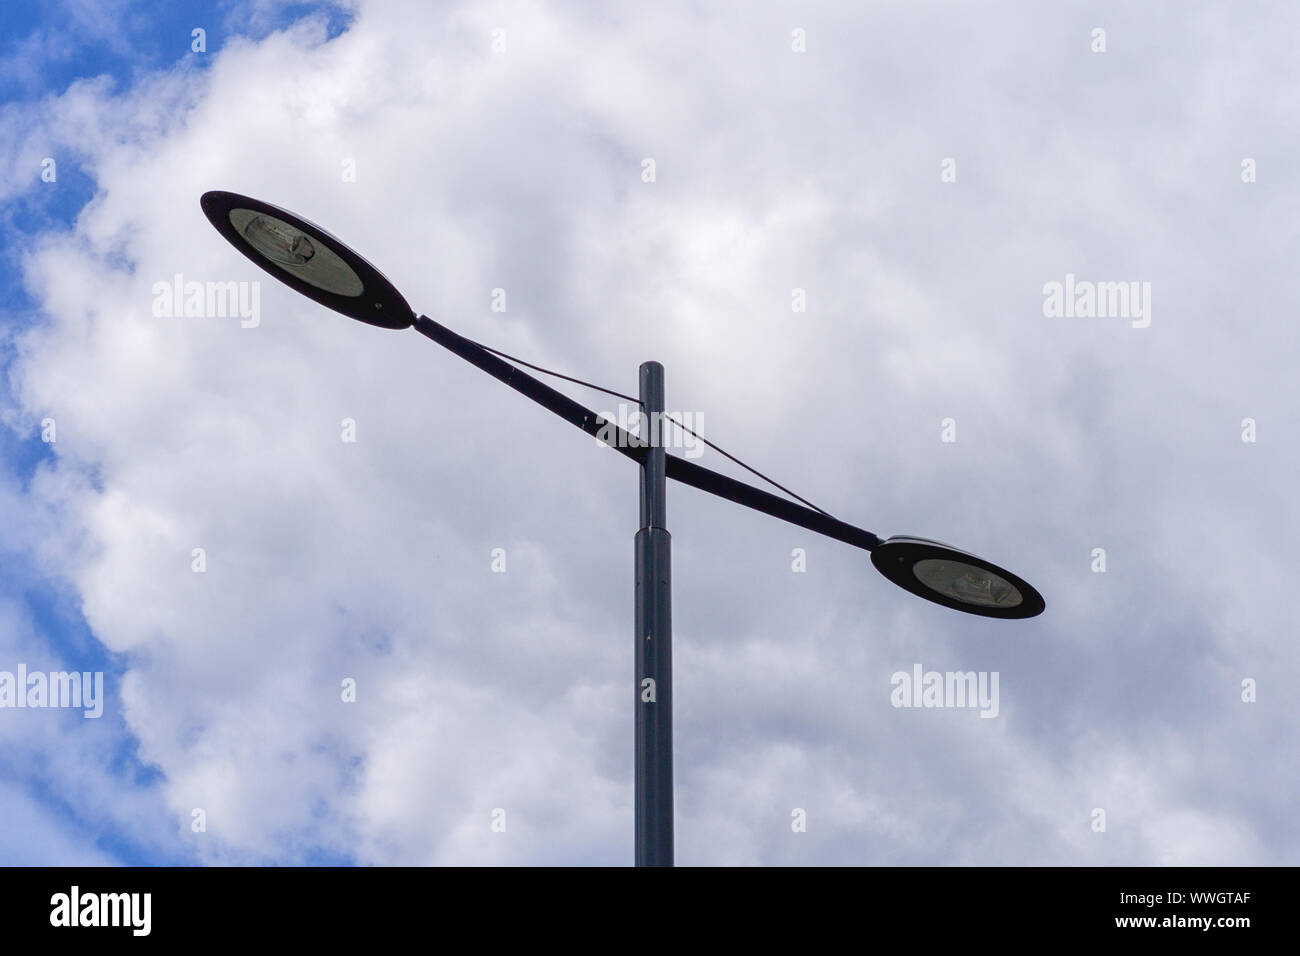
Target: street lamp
945,575
310,260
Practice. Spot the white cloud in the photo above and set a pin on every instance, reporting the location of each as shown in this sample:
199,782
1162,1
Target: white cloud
776,170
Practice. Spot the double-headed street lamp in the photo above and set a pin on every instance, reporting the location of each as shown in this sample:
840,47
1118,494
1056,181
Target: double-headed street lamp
309,259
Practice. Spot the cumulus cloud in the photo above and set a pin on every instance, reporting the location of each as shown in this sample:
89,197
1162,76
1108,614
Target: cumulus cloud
775,170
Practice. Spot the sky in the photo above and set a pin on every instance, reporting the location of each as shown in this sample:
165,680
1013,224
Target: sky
356,603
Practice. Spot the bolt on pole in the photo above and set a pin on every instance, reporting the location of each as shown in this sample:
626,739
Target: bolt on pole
654,640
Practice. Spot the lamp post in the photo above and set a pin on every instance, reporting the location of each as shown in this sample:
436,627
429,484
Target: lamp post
654,640
321,267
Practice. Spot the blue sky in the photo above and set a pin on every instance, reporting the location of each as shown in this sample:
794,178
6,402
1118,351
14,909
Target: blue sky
475,149
44,48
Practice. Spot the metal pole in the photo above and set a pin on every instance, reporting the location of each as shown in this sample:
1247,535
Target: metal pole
654,641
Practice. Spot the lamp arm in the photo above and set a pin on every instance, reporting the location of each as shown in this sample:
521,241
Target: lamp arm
697,476
575,414
629,445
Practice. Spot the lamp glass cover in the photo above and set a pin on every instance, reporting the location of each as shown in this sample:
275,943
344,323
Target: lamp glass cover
293,250
966,583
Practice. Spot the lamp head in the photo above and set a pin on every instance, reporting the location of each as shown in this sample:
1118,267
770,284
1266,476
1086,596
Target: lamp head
945,575
305,257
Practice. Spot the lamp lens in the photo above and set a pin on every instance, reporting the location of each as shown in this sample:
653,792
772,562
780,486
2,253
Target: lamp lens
966,583
278,241
296,253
